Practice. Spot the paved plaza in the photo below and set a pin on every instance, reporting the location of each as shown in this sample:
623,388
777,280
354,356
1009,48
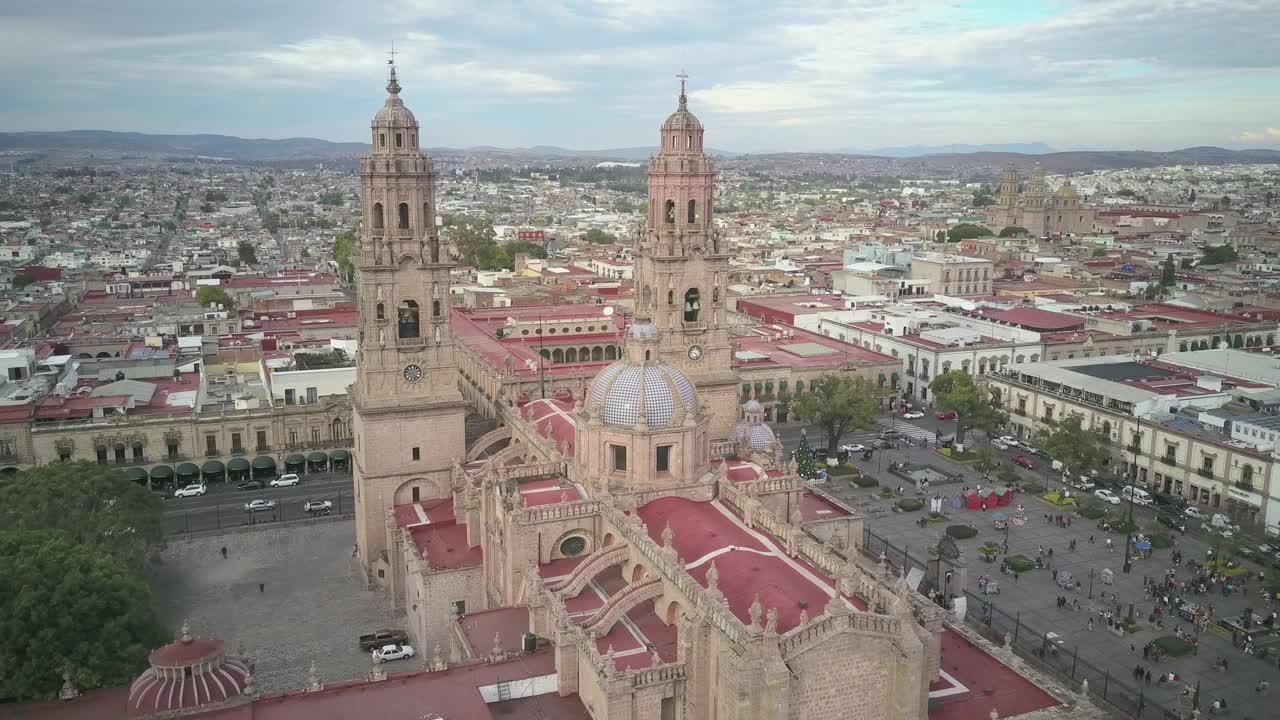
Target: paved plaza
312,607
1035,594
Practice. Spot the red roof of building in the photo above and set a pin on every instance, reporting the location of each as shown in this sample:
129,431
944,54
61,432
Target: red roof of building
1034,319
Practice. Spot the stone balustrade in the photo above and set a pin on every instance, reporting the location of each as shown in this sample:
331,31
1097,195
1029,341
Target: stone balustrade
589,568
559,511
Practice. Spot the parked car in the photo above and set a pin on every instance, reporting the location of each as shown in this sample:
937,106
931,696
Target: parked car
1172,520
1106,496
1009,440
286,480
882,444
1022,461
1030,450
1172,501
392,652
320,507
383,636
160,494
946,415
1137,494
999,444
1192,511
853,448
259,505
251,485
1081,483
193,490
913,415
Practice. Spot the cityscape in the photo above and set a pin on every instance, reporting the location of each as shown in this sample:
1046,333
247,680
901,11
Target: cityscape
950,427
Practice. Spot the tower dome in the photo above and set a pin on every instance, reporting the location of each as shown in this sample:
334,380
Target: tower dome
186,674
393,113
752,434
638,390
682,132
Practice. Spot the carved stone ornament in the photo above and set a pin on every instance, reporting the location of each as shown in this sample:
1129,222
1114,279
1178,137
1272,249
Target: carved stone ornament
66,445
947,548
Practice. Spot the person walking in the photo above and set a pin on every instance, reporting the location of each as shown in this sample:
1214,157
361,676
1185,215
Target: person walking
262,587
224,552
1090,623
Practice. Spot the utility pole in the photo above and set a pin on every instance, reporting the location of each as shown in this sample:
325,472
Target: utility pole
1133,479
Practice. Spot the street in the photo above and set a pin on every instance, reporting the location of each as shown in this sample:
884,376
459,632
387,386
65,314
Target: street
223,506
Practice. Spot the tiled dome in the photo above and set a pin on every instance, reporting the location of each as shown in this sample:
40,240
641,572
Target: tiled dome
682,120
620,391
189,673
395,114
759,437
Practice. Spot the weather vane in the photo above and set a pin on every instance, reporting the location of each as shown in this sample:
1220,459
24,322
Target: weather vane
392,59
683,77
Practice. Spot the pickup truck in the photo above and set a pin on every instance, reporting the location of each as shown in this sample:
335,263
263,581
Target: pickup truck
378,638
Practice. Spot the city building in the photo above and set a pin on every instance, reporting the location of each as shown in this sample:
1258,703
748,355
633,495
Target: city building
953,275
1033,208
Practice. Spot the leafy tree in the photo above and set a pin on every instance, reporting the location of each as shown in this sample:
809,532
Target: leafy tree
842,402
1076,447
21,280
1218,254
344,244
1126,192
955,390
71,607
271,221
248,255
207,207
89,504
940,236
596,236
210,295
1168,274
215,196
1012,231
1099,252
1187,263
966,231
806,461
982,197
986,461
332,198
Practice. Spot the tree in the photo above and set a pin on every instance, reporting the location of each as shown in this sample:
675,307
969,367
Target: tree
1012,231
344,244
248,255
842,402
271,221
955,390
982,197
596,236
89,504
806,462
215,196
210,295
72,607
966,231
533,250
21,280
986,461
1076,447
1218,254
1168,274
332,198
940,236
1099,252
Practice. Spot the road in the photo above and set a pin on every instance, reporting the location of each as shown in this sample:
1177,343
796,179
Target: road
223,505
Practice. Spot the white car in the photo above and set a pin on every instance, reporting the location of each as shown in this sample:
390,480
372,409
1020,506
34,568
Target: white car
1194,512
324,507
392,652
913,415
1107,496
1009,440
853,448
999,444
259,505
285,480
195,490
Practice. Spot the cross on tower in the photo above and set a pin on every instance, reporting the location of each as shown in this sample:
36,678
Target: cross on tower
683,77
392,54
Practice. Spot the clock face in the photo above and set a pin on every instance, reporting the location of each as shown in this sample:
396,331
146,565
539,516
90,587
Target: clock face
695,352
413,373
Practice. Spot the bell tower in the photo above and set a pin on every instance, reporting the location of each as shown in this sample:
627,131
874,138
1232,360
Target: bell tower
682,267
407,411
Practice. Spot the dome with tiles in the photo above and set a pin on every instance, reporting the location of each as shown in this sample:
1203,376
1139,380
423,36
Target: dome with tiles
752,431
627,389
394,114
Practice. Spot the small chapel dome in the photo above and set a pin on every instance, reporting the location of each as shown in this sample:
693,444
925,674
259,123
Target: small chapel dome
682,120
752,406
188,673
621,391
752,430
1067,191
394,114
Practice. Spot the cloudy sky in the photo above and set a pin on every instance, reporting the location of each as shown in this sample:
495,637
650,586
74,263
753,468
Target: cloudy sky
775,75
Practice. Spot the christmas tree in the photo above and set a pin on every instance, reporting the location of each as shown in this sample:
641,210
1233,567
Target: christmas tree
806,465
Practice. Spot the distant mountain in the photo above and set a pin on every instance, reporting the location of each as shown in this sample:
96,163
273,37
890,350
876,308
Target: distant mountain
220,146
1089,160
918,150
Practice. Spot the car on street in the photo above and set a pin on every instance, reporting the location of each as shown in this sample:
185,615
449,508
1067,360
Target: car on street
1031,450
945,415
251,485
913,415
1172,520
259,505
1107,496
1022,461
853,448
1081,483
1009,440
1194,512
392,652
286,480
1173,502
882,444
193,490
383,636
999,444
319,507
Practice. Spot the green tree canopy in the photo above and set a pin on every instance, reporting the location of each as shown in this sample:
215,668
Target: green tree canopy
215,196
210,295
1218,254
806,461
332,198
1168,273
344,244
982,197
986,462
955,390
1076,447
21,280
89,504
1099,252
842,402
533,250
248,255
71,607
596,236
1012,230
966,231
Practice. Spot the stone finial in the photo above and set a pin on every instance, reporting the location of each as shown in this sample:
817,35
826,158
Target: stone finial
668,536
564,497
797,518
249,688
314,684
1008,641
771,621
713,577
655,658
994,714
185,634
804,617
835,605
497,645
437,658
756,610
69,690
1084,687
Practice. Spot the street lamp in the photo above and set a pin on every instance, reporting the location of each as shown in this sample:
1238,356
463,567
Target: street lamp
1133,479
1092,572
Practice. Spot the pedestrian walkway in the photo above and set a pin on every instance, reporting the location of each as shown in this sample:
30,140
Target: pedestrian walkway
912,431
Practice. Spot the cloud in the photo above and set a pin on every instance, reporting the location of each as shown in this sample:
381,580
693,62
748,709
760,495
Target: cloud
1264,136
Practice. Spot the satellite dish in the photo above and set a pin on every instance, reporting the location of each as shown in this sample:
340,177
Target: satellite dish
608,310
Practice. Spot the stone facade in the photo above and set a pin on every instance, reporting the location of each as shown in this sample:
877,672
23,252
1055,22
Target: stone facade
1036,210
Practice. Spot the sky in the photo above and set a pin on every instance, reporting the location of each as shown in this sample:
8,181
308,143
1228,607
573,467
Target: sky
782,75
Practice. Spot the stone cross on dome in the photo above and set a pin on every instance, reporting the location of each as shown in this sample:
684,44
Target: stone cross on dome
393,85
684,76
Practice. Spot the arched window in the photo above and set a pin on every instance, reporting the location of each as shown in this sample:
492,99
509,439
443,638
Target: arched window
692,305
693,212
339,429
377,216
382,311
408,319
671,211
557,355
404,216
545,353
715,295
435,308
571,355
1246,474
671,297
597,353
611,353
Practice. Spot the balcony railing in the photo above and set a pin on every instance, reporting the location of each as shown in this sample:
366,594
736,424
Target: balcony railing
1205,472
1168,460
1020,411
1247,486
1133,448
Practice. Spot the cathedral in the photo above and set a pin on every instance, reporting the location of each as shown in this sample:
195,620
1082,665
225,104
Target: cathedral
1036,210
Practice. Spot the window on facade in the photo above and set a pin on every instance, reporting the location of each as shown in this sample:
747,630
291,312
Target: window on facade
692,305
381,311
211,445
293,438
173,450
417,454
693,212
573,546
382,139
262,440
312,395
408,319
315,435
137,453
662,463
290,396
64,455
1246,475
399,140
618,458
377,216
404,216
236,446
102,456
119,453
670,211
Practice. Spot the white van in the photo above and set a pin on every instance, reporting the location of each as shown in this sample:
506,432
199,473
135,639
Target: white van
1140,496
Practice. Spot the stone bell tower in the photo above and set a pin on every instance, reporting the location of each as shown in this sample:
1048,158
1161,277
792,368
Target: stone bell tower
407,411
682,267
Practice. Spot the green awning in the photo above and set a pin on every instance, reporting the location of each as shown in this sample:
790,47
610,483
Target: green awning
137,474
188,470
237,464
213,467
318,457
294,459
340,455
161,472
264,462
